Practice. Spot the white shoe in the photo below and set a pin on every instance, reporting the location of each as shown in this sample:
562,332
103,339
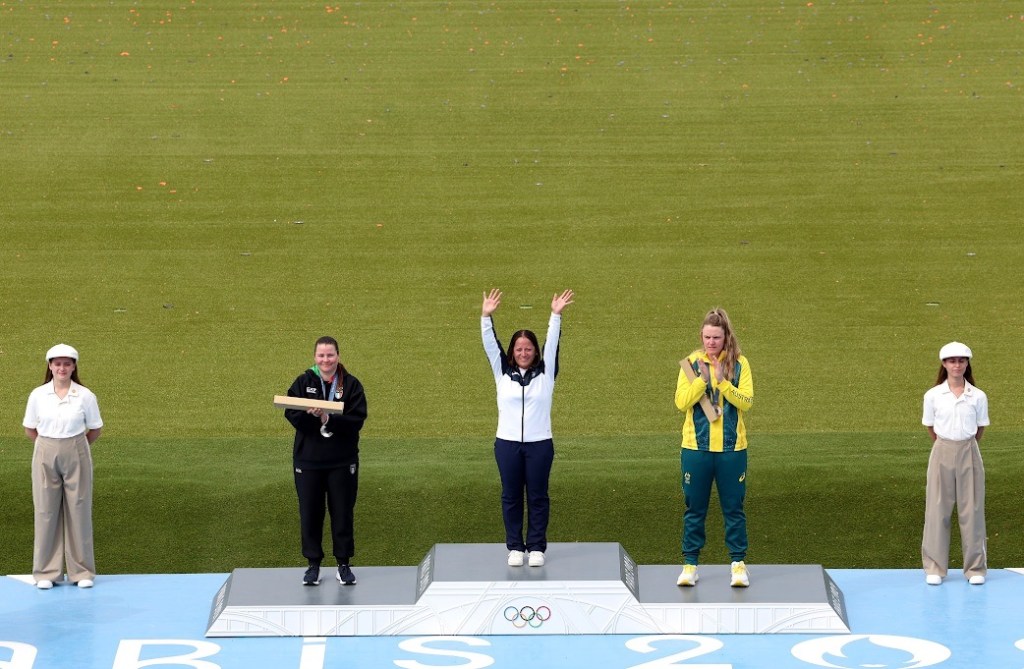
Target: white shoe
977,579
536,559
85,583
688,576
740,577
933,579
515,558
44,584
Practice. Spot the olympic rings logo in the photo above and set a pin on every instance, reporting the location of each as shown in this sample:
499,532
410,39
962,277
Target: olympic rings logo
527,615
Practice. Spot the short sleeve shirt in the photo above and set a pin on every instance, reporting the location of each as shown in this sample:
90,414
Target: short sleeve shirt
952,417
57,418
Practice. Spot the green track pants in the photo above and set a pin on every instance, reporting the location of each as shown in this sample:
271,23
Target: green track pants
728,471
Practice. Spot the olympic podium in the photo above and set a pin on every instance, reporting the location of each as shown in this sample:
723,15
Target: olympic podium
584,588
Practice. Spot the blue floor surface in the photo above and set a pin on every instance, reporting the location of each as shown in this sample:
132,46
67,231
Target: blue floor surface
131,622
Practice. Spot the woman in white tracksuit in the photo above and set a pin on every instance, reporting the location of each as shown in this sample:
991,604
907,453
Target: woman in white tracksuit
955,414
523,448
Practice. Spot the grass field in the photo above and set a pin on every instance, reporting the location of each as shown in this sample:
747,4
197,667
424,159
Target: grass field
192,192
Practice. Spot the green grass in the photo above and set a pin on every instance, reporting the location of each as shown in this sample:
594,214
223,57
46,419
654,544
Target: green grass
840,499
192,193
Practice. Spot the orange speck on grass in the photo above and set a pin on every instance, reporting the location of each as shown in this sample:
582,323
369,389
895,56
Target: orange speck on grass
163,183
138,188
124,53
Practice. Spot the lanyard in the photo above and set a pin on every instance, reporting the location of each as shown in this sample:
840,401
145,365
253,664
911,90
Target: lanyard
334,387
714,393
329,398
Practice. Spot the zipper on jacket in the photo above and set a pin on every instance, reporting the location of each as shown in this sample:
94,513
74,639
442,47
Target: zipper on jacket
522,419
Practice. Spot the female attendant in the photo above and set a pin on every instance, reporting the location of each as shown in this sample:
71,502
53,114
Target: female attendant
715,442
523,447
325,457
955,413
63,419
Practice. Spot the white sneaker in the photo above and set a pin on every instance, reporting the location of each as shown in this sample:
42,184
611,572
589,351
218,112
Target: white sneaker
933,579
977,579
515,558
44,584
740,577
688,576
85,583
536,559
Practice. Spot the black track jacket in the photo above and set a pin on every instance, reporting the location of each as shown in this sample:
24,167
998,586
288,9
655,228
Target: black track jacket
313,450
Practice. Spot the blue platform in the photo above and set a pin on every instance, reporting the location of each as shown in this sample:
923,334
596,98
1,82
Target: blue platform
896,620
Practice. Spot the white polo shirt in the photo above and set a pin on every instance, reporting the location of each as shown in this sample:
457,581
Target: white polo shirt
952,417
57,418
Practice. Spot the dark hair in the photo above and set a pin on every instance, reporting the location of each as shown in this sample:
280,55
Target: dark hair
510,358
331,341
943,374
49,373
327,340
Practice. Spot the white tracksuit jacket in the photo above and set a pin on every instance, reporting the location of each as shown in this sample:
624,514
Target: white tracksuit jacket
524,398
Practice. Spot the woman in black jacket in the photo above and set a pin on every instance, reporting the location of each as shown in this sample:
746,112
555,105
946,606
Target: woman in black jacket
326,458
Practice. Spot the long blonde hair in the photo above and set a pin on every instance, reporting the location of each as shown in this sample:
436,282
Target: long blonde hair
718,318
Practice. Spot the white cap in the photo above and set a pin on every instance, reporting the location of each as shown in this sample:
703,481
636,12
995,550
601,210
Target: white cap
61,351
954,349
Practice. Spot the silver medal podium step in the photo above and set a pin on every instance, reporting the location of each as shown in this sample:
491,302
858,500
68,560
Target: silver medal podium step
584,588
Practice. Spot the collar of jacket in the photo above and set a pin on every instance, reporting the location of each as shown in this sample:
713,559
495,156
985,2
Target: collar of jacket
521,378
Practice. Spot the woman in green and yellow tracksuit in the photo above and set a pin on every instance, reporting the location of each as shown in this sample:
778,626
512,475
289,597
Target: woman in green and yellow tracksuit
715,451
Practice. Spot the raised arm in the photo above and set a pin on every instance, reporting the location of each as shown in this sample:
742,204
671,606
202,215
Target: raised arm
490,338
558,304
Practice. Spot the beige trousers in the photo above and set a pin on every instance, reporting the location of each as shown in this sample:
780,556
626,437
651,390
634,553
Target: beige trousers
956,475
62,496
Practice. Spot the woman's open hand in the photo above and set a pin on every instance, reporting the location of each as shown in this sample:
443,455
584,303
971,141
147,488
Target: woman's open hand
560,302
491,302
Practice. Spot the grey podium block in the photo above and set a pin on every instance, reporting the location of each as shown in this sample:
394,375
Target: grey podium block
781,599
584,588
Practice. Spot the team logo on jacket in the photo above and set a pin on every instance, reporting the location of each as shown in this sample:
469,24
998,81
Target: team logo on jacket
352,470
311,391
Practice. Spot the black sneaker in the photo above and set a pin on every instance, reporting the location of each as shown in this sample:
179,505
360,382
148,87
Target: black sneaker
312,576
345,575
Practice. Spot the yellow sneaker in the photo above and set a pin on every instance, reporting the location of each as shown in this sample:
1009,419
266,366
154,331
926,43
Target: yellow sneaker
740,577
688,576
